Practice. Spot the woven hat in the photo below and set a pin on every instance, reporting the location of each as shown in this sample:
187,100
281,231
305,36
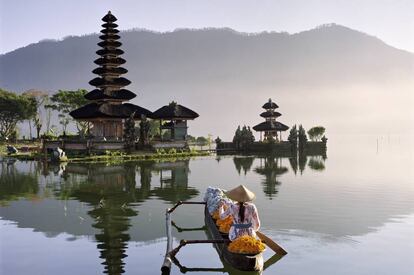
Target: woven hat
241,194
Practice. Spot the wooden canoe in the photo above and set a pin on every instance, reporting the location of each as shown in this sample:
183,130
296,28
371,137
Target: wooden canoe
245,262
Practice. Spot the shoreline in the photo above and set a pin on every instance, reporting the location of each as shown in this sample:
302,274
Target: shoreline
108,157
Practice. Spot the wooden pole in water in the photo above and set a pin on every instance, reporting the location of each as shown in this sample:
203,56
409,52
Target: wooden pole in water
166,266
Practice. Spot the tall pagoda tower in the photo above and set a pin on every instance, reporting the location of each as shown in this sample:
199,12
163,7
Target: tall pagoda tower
108,108
270,126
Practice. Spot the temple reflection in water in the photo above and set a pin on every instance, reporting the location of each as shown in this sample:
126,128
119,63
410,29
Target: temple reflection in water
114,192
106,201
271,167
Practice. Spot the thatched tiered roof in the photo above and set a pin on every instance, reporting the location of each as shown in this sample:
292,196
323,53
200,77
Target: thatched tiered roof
270,113
270,105
174,111
108,110
270,125
108,97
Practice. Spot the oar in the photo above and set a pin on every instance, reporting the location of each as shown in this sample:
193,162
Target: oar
270,243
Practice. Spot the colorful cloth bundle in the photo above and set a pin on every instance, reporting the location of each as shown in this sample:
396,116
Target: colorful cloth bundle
213,197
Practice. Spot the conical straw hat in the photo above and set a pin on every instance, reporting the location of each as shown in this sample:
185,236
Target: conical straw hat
241,194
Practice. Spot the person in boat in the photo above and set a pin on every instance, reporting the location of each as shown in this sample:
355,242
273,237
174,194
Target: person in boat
245,216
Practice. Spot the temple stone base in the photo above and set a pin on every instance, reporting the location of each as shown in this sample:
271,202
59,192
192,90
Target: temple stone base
181,144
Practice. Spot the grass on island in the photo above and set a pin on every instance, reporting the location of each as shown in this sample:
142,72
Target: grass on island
116,156
107,156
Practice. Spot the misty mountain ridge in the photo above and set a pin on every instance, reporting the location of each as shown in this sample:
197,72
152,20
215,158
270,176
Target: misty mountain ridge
226,75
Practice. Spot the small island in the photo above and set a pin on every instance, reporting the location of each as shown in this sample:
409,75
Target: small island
271,140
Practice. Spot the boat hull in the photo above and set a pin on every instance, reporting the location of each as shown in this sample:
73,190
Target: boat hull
240,261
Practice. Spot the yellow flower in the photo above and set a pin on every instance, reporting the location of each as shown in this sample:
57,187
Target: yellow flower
246,244
225,224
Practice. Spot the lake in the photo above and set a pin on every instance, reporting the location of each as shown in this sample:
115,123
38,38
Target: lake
350,211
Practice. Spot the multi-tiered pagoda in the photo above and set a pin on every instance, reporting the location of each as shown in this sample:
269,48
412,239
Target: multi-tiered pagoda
270,126
108,108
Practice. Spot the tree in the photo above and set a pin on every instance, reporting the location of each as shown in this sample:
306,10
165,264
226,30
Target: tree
31,111
201,141
144,128
293,136
154,129
66,101
129,133
190,138
243,137
209,140
38,124
302,137
39,99
237,137
316,133
13,109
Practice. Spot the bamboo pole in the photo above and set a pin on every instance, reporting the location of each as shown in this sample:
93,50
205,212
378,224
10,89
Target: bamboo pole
179,229
185,242
166,266
184,202
185,269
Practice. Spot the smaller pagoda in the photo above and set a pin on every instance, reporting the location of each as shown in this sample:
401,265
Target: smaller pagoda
173,118
270,126
108,108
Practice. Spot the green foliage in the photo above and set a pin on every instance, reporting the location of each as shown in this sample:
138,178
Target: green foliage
302,137
202,141
243,137
172,151
160,151
293,135
13,109
49,136
66,101
38,124
114,153
190,138
316,164
16,185
316,133
129,133
154,129
39,98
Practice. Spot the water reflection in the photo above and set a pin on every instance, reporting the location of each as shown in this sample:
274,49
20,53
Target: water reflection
113,194
243,163
174,181
122,207
15,185
271,168
110,192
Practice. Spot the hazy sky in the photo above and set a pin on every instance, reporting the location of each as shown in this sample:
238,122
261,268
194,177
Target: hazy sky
27,21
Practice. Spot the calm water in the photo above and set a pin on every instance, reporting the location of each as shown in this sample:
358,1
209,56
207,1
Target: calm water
349,213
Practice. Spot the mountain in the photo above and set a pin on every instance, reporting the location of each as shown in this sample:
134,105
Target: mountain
343,79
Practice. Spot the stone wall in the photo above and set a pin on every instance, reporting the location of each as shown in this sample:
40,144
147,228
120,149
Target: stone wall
83,145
